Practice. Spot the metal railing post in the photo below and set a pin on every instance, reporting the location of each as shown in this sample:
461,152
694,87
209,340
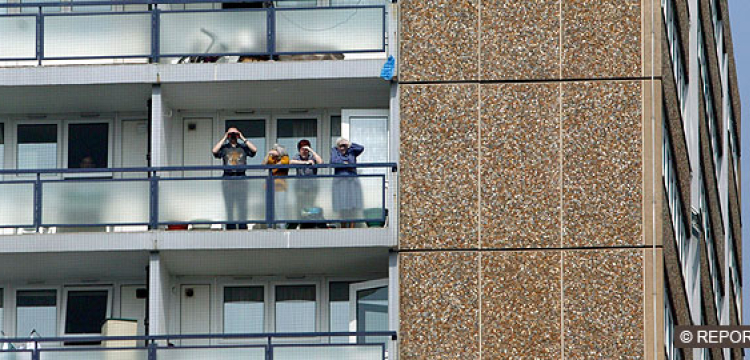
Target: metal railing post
153,216
271,24
155,33
38,202
269,349
152,350
270,199
39,37
35,352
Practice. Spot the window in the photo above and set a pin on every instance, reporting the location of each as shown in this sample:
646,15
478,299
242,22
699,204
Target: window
37,146
687,250
673,353
674,41
295,308
291,131
255,132
335,129
244,309
85,311
295,3
36,312
2,331
338,309
2,145
713,260
733,145
736,283
708,100
88,145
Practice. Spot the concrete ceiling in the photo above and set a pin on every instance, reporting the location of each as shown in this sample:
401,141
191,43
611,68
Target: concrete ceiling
335,261
73,266
74,98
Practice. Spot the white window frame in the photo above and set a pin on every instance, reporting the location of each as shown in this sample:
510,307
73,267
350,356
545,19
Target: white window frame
58,302
266,304
318,304
353,289
222,124
709,107
110,143
346,116
287,115
64,308
675,51
16,144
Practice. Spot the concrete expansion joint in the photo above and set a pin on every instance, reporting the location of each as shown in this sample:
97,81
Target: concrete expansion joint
530,81
572,248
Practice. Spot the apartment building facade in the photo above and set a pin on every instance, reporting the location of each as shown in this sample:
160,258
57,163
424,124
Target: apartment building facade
540,179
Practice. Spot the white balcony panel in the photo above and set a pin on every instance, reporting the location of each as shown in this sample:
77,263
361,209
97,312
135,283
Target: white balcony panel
349,352
15,356
313,198
220,200
212,354
329,30
95,355
95,202
17,206
213,32
109,35
19,37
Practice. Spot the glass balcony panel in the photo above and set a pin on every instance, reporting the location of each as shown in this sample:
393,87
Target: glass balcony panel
78,202
97,35
346,352
17,206
15,355
212,354
19,37
216,200
329,30
95,355
329,198
213,32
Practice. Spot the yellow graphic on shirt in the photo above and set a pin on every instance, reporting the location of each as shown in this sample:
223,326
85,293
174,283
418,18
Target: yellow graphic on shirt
234,158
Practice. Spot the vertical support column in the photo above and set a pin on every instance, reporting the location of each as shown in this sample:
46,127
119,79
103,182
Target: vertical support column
393,303
158,132
158,295
270,200
394,119
155,34
38,202
271,31
40,37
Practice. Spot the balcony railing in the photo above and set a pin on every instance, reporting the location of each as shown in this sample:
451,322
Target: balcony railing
193,35
153,197
273,346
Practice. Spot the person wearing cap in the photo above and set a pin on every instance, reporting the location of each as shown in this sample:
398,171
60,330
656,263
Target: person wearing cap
347,192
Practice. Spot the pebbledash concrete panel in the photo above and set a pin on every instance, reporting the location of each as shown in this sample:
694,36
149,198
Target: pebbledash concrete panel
521,305
603,306
521,164
602,163
439,40
520,40
601,38
439,306
439,165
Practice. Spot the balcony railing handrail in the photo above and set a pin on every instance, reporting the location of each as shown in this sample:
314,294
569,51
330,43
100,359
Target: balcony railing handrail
162,2
150,338
161,169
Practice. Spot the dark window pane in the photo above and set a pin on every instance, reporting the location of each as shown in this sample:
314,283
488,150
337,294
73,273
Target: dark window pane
37,298
296,292
37,134
339,291
297,128
1,300
336,126
243,294
86,312
248,128
2,134
88,145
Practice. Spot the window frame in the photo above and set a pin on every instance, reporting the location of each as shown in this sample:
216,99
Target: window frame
63,307
110,143
220,303
302,282
289,115
17,143
58,300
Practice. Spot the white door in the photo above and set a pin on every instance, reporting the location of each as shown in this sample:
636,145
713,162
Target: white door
197,135
134,145
195,312
368,309
370,129
132,306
